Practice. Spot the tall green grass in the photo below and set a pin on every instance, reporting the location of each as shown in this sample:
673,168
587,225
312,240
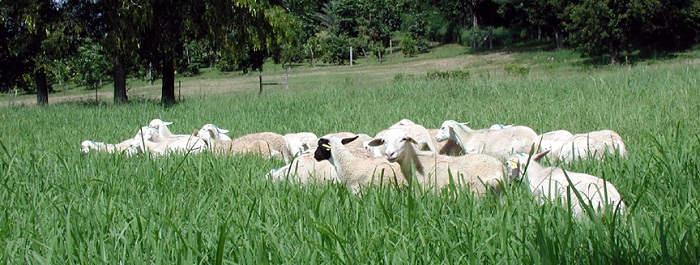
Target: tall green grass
63,207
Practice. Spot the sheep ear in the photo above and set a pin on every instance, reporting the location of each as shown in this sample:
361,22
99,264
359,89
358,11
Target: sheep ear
410,140
348,140
195,132
537,157
376,142
167,122
223,131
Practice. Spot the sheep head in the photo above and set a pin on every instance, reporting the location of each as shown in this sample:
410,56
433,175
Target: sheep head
447,130
323,151
395,142
517,164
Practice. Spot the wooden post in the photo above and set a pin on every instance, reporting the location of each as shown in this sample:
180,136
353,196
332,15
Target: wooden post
260,78
350,55
286,79
179,90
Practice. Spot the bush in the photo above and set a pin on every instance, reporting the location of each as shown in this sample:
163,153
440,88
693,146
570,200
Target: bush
336,49
449,75
408,46
516,70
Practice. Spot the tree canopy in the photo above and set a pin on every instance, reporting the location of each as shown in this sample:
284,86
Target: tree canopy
48,41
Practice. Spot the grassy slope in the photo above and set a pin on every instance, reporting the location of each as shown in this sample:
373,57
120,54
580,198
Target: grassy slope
60,206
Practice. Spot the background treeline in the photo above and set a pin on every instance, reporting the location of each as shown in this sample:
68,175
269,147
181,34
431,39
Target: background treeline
87,42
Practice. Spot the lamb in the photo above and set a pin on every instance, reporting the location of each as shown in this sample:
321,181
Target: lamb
476,171
595,144
265,144
212,132
127,147
498,143
448,147
357,172
304,169
551,183
420,134
297,143
499,126
553,141
151,140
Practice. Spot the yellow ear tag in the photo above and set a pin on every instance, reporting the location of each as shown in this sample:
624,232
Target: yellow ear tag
327,147
514,162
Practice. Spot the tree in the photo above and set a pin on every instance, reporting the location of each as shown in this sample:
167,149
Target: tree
609,27
42,31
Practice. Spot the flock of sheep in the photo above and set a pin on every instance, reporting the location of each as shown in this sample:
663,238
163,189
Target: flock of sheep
405,152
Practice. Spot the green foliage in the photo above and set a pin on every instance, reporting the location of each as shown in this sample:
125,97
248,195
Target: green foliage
409,46
336,49
90,65
461,75
517,70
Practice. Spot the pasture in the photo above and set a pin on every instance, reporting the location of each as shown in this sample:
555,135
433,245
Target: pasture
60,206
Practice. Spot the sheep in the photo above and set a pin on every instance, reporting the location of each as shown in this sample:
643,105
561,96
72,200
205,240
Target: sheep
448,147
553,141
476,171
499,126
357,172
595,144
420,134
297,143
265,144
127,147
151,140
214,132
551,183
498,143
304,169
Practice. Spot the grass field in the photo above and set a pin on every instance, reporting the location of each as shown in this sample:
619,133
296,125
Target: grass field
63,207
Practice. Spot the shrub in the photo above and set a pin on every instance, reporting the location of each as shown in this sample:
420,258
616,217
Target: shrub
516,70
408,46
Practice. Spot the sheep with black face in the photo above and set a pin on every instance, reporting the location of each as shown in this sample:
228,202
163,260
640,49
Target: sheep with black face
354,171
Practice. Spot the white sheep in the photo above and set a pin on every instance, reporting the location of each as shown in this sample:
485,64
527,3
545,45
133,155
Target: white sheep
420,134
553,141
499,143
354,171
304,169
211,131
265,144
499,126
594,144
151,140
298,143
447,147
550,183
476,171
127,147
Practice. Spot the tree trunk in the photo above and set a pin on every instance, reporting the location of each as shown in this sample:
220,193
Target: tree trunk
168,88
119,81
42,90
559,39
615,55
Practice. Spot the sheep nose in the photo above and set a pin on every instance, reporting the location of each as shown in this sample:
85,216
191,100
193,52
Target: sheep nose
390,154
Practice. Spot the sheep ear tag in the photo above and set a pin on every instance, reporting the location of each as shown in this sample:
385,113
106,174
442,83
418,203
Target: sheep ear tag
326,146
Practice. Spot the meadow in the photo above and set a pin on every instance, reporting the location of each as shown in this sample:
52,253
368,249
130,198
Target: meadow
59,206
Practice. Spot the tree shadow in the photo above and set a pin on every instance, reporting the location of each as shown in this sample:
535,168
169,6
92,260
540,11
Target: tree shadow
92,103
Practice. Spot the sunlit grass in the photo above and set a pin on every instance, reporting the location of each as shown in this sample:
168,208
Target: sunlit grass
61,206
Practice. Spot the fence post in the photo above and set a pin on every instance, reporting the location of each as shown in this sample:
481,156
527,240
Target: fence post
350,55
286,79
260,78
